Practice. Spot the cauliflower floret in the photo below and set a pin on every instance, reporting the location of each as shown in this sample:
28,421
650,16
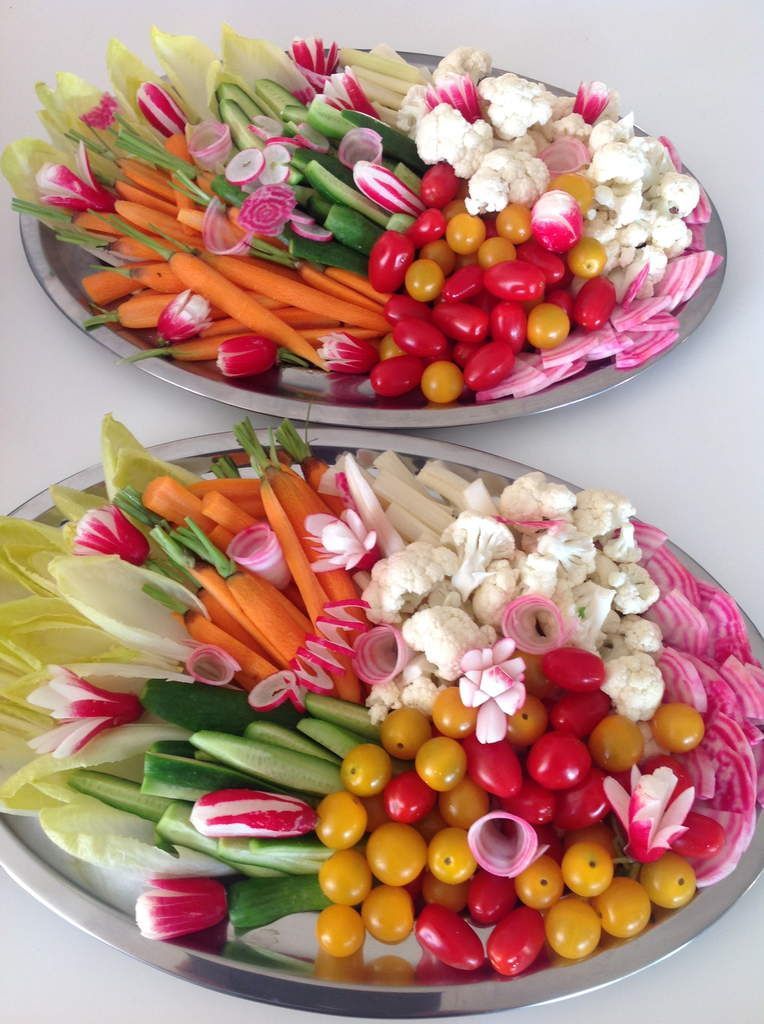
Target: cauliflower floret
656,157
640,634
444,635
478,541
399,583
675,193
412,110
417,689
606,131
506,176
563,598
532,496
572,125
592,605
600,512
525,144
637,592
633,235
444,134
624,547
574,551
382,699
538,574
670,234
618,163
635,685
515,104
464,60
562,106
494,593
444,594
624,201
657,261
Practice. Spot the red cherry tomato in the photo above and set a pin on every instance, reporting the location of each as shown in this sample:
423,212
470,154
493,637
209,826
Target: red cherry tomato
583,805
490,364
515,281
558,761
403,307
562,298
648,766
419,338
407,798
448,937
550,265
516,942
703,839
439,186
578,713
461,321
549,836
428,227
489,897
463,284
396,376
390,257
494,766
509,323
462,352
574,669
532,802
594,304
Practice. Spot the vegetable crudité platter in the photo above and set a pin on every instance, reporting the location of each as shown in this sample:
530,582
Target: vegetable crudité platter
373,715
396,238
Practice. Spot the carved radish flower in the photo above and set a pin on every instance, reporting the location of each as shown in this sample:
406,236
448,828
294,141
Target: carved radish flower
492,683
649,817
343,543
107,531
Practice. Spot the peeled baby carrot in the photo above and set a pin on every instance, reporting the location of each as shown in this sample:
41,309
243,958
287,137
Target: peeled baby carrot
172,501
358,283
206,632
317,279
225,513
138,195
147,178
106,286
221,537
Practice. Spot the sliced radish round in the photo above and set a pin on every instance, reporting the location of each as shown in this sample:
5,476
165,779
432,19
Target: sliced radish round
265,127
245,167
302,218
360,144
314,232
309,138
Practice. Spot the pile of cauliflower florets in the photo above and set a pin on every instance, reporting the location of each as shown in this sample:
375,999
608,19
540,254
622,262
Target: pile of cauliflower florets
448,596
640,199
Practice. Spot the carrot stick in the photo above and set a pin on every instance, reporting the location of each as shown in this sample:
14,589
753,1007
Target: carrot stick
141,311
315,334
133,194
223,618
156,276
207,632
253,506
225,513
317,279
358,283
153,221
225,326
148,178
200,277
269,612
294,293
190,216
314,469
87,221
233,488
304,318
221,537
274,268
177,146
200,350
133,249
106,286
267,301
172,501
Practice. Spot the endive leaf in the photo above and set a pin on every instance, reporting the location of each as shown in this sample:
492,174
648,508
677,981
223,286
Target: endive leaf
73,504
127,73
62,112
26,550
21,160
117,677
126,461
186,60
251,59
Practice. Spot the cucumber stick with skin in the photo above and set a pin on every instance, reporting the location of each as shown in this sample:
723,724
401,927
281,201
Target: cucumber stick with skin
277,102
184,778
394,143
328,254
244,101
232,114
270,763
175,828
278,736
302,157
300,856
345,714
352,229
257,902
121,794
327,120
339,741
331,187
197,706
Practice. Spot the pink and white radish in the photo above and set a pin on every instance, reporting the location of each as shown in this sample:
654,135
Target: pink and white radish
457,91
209,144
360,144
556,221
535,624
257,548
108,531
180,906
210,664
219,235
649,816
591,100
160,109
272,691
380,654
342,543
245,167
386,189
184,316
503,844
344,353
60,186
251,813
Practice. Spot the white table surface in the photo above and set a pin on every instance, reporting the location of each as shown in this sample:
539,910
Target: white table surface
683,441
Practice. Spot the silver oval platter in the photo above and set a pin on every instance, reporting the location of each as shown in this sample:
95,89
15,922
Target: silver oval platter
276,964
333,398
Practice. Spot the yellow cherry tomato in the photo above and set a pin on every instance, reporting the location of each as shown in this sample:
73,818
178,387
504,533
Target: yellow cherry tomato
376,814
340,931
424,280
390,970
587,258
572,928
451,717
677,727
465,233
587,869
345,877
441,763
449,857
388,913
404,731
396,853
514,223
430,825
548,325
540,886
454,208
442,382
441,253
534,679
366,770
388,349
575,185
464,804
616,743
452,896
495,250
527,724
341,820
624,908
669,881
599,833
467,260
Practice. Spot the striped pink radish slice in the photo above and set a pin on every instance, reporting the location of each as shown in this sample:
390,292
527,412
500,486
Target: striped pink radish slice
251,813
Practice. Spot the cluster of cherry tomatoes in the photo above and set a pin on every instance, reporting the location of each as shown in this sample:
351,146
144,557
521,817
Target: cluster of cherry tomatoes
413,797
472,292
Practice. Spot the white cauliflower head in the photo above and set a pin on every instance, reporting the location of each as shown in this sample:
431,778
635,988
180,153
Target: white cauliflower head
635,590
640,634
478,541
495,592
505,176
417,688
538,574
592,605
515,104
657,261
617,163
574,551
670,234
444,635
606,131
382,699
532,496
600,512
675,194
527,143
465,60
400,582
412,109
623,547
656,157
572,126
623,201
444,134
635,685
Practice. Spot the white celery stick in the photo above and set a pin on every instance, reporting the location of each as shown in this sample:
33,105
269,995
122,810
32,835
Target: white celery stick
465,495
408,526
394,464
432,514
382,65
